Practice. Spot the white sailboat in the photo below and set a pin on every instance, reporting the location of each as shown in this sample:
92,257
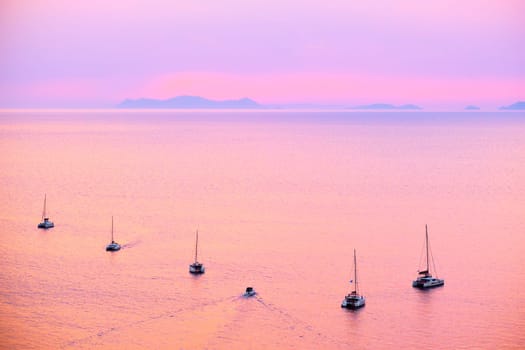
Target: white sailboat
113,246
354,300
46,223
425,279
196,267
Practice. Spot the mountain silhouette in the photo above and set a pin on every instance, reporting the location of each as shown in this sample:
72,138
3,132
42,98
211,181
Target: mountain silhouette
472,108
189,102
520,105
387,106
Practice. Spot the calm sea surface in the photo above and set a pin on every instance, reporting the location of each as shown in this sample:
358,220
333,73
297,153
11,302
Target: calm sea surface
280,200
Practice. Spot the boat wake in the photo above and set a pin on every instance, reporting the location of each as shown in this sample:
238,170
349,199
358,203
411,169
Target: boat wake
296,324
301,328
131,244
172,313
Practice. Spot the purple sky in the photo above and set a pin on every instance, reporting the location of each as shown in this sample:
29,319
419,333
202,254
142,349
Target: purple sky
438,54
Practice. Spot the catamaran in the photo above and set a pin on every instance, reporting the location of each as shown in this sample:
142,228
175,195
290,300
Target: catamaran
354,300
196,267
113,246
45,220
425,279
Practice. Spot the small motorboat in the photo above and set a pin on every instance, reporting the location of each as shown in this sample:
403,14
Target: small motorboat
250,292
113,246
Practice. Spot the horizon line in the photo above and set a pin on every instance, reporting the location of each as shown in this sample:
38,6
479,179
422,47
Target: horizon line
244,110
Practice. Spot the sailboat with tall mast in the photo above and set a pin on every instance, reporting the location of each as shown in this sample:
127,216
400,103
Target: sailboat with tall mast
354,300
113,246
196,267
46,223
425,279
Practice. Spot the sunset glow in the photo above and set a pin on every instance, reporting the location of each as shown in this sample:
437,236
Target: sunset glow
59,53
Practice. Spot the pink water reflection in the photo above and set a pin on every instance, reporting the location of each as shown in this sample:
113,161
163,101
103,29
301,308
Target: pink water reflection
279,206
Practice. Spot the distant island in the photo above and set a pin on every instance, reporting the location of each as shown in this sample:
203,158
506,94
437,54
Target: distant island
520,105
472,108
197,102
386,106
190,102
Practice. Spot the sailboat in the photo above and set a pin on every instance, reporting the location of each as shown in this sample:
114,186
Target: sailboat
45,220
425,279
113,246
354,300
196,267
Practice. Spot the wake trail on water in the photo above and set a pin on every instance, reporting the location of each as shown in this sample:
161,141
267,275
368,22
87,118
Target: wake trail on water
166,314
294,322
131,244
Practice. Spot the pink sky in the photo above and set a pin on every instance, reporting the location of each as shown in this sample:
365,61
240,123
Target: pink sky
94,54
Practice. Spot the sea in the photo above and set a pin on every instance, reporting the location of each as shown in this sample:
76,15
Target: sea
280,200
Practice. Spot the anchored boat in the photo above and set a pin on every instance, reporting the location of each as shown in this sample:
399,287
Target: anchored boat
113,246
46,223
196,267
425,279
354,300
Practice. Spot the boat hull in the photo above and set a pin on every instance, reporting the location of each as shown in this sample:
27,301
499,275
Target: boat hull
428,285
353,304
46,224
249,292
113,247
197,269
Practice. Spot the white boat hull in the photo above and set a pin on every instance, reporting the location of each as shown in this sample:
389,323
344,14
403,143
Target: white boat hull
197,269
46,224
113,247
428,283
353,302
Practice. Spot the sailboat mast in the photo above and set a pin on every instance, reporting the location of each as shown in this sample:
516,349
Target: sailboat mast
112,240
44,211
426,241
355,273
196,243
